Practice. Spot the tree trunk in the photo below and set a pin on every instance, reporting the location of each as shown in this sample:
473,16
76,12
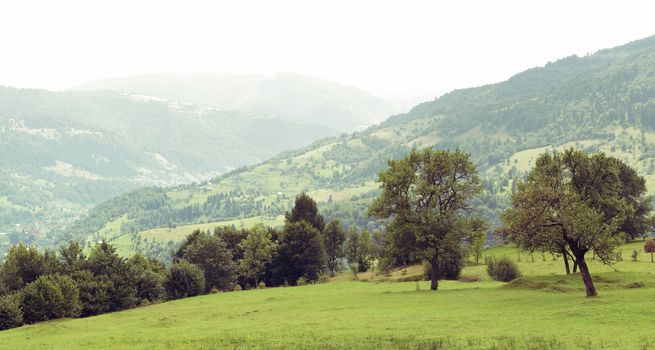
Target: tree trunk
651,256
575,266
434,274
586,277
566,262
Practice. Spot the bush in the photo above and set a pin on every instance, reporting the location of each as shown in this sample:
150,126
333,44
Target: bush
635,254
11,316
150,287
261,285
503,269
184,280
302,281
50,297
94,292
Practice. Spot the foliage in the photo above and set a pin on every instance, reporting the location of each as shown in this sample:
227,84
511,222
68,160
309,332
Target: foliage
258,249
503,269
424,195
574,202
305,209
23,265
211,255
94,292
184,280
49,297
300,253
11,315
334,238
357,249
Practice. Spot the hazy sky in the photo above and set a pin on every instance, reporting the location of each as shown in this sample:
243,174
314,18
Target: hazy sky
387,46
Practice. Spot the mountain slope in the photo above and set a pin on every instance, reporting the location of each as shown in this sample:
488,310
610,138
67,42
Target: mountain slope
604,101
297,97
63,151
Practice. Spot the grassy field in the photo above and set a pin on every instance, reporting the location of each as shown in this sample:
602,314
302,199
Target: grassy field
543,310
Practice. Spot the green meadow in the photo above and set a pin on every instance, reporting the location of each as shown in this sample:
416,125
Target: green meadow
544,309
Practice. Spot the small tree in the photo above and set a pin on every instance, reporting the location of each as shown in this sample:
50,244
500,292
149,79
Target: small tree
95,292
11,316
333,238
184,280
211,255
300,253
23,265
50,297
258,248
305,209
649,247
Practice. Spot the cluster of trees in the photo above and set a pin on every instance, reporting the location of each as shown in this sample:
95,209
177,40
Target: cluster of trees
38,286
570,203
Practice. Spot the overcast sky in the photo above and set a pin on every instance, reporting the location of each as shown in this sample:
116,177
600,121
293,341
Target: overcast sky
393,46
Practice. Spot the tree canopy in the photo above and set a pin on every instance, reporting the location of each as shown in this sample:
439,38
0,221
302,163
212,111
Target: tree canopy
573,202
425,195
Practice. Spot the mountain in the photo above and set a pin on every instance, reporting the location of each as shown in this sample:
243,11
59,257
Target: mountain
61,152
600,102
297,97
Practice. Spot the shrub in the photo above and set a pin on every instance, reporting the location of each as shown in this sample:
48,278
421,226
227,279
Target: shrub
50,297
503,269
261,285
11,316
237,288
94,292
184,280
635,253
302,281
150,286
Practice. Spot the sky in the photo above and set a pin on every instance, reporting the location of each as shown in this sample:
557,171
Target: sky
394,48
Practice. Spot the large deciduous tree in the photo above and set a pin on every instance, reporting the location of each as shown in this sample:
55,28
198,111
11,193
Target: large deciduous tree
425,195
572,203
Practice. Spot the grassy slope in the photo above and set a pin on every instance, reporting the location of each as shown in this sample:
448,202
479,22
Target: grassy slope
346,315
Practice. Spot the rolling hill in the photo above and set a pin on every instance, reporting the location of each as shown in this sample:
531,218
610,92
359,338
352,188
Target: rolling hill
600,102
62,152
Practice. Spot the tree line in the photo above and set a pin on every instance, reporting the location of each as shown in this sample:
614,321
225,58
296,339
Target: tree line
42,285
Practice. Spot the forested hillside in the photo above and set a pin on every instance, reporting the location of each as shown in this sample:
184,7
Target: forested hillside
601,102
61,152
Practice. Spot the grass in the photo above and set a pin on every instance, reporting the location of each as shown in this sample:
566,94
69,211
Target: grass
543,310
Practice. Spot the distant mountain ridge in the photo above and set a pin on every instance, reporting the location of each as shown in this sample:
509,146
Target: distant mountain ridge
63,151
294,96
